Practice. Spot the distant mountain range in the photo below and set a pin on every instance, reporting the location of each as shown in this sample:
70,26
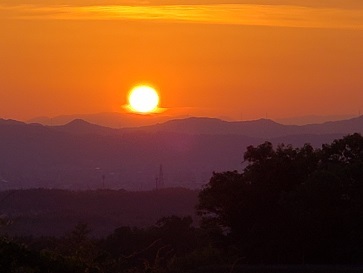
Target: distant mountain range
81,155
262,128
109,119
313,119
124,119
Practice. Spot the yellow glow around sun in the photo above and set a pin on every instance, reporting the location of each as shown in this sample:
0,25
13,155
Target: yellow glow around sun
143,99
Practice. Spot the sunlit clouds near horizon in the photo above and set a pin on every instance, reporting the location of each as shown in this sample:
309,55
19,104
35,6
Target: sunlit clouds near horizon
233,14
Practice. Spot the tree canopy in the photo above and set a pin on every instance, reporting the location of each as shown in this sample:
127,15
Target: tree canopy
291,204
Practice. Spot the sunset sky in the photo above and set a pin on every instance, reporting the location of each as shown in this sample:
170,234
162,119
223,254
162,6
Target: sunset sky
242,59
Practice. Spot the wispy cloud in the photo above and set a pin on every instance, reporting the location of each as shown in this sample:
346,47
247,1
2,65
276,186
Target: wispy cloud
232,14
341,4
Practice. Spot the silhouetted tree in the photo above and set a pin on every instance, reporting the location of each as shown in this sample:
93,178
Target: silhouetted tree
291,204
79,247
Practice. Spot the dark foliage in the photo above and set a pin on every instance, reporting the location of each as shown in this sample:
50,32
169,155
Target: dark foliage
291,205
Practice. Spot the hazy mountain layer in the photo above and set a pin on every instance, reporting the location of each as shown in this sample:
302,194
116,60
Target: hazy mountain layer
80,155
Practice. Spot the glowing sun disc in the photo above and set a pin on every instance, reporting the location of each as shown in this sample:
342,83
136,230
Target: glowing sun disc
143,99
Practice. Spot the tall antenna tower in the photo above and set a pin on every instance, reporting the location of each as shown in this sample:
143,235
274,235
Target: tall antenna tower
161,177
103,181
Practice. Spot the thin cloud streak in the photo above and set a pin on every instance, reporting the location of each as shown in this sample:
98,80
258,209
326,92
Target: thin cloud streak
231,14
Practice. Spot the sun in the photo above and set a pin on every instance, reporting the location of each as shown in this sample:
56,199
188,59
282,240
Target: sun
143,99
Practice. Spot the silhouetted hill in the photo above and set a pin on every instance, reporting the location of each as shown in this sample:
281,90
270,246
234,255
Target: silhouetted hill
212,126
334,127
10,122
38,156
79,126
312,119
80,155
262,128
111,119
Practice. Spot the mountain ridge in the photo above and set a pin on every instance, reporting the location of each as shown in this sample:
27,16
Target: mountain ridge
264,128
82,155
255,128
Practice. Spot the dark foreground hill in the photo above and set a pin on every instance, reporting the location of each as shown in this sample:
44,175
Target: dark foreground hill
54,212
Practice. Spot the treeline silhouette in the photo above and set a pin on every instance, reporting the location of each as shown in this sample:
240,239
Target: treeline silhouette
52,212
297,207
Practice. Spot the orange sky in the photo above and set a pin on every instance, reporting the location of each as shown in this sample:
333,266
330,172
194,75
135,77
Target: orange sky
240,59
